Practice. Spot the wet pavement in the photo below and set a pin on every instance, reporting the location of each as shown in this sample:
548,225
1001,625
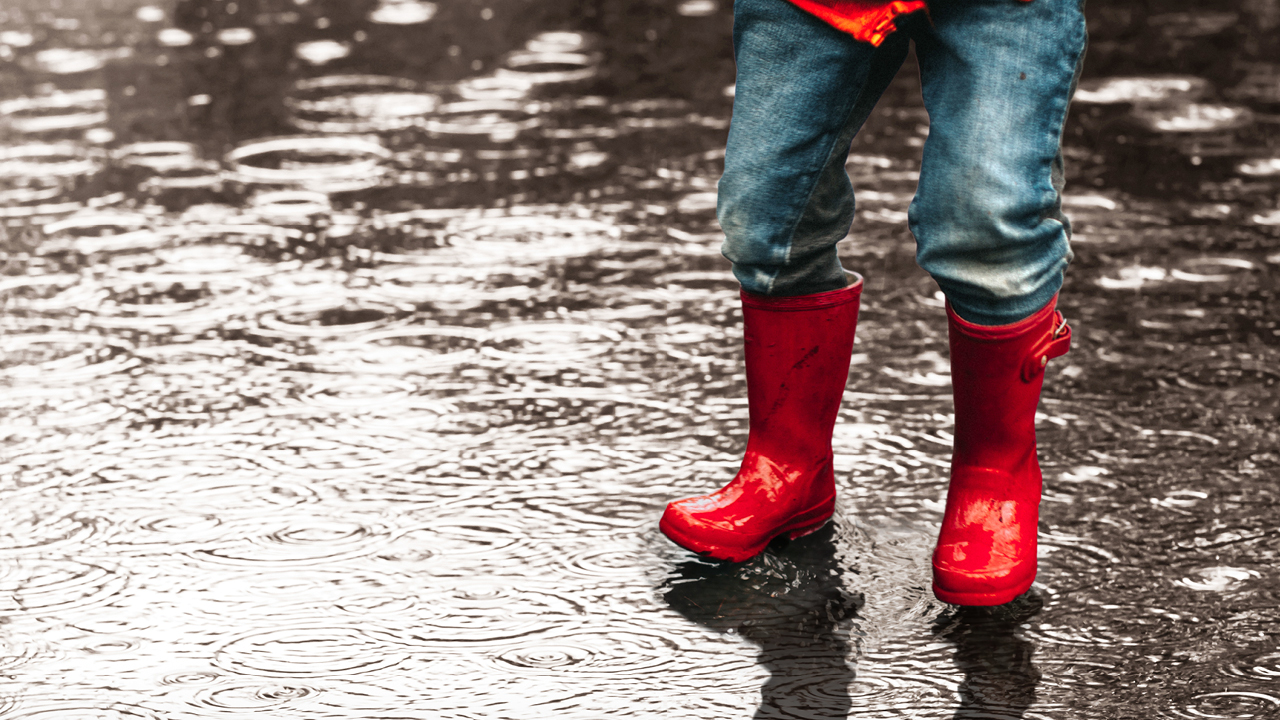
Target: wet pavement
351,349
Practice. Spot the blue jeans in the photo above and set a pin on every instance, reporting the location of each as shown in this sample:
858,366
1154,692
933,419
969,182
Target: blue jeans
997,77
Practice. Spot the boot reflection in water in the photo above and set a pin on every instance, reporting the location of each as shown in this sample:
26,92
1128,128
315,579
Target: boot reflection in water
792,604
1000,678
987,218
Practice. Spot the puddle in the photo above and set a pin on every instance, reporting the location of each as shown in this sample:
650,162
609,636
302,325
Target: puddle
351,353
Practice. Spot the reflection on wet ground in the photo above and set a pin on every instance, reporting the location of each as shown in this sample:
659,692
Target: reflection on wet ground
351,350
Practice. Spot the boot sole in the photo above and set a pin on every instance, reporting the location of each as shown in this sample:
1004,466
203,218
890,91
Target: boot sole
805,523
982,599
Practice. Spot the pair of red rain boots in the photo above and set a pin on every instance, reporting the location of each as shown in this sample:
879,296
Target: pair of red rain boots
797,358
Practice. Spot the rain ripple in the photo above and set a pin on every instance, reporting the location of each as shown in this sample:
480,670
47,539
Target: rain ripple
357,590
16,651
48,587
74,61
323,163
549,342
401,351
58,111
492,612
1263,666
615,653
254,697
1218,579
1229,704
33,175
475,541
296,541
358,104
1114,626
318,650
78,710
301,697
43,526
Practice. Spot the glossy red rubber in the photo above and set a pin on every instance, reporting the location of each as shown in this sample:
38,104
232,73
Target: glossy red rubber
797,358
986,551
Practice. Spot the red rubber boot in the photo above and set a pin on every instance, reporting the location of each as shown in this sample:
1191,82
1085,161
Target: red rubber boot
986,553
797,356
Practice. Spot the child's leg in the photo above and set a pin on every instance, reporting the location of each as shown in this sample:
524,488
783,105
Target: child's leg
997,77
987,216
803,90
785,201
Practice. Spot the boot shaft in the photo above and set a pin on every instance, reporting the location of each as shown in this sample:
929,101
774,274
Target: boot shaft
997,374
797,357
797,352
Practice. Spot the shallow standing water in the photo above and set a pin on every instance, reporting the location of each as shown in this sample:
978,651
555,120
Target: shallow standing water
350,351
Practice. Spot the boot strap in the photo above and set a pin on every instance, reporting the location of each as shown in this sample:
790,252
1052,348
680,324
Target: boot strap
1054,344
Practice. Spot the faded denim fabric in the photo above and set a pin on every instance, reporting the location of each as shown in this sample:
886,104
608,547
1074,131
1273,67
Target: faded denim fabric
997,77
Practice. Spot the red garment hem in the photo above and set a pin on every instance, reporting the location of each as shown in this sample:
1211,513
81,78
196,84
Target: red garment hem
865,20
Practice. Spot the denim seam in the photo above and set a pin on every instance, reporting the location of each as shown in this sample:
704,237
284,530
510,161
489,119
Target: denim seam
1064,110
835,147
1061,218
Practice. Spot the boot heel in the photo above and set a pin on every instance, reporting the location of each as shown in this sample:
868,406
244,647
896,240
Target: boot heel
818,516
807,530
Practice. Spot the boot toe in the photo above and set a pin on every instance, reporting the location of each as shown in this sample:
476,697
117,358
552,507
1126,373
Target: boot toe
968,575
686,527
684,516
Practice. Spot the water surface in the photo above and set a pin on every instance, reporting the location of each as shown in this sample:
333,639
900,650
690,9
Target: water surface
351,350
